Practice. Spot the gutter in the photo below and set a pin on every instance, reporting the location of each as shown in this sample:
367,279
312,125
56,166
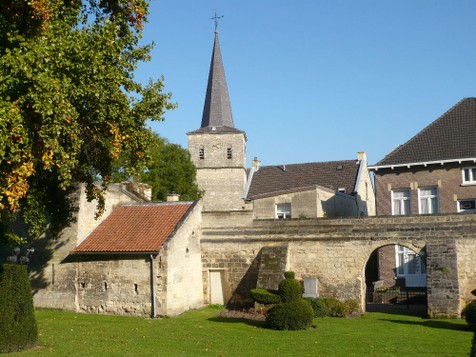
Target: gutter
423,163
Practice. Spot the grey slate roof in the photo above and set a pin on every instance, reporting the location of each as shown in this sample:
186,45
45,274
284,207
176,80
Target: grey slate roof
450,137
333,175
217,108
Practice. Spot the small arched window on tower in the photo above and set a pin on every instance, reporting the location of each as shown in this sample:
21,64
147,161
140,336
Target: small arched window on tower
229,152
201,152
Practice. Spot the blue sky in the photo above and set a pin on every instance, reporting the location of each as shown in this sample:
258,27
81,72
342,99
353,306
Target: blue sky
314,80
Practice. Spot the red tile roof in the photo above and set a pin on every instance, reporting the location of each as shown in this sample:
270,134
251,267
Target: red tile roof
135,228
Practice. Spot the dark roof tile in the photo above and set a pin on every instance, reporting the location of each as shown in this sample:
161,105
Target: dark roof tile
449,137
332,175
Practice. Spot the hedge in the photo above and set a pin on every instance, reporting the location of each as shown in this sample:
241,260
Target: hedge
264,296
294,315
18,329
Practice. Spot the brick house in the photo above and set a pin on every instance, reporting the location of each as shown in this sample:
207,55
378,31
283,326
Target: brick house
433,172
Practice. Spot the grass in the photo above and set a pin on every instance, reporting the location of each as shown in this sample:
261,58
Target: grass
204,333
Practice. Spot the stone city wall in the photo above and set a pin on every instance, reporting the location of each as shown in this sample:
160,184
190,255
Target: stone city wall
336,251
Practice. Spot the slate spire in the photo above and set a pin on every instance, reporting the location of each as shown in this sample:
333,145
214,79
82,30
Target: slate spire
217,108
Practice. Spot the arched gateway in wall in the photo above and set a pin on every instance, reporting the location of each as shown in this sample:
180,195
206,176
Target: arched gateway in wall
332,254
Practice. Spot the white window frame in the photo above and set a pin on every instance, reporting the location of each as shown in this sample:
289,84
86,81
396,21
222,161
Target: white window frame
404,257
283,211
429,198
401,200
465,210
471,175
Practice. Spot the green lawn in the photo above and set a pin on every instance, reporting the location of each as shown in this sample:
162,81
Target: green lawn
203,333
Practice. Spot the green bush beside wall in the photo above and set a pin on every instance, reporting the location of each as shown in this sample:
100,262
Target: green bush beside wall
18,329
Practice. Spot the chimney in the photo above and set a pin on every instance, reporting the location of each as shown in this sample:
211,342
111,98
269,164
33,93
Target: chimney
256,164
173,197
361,156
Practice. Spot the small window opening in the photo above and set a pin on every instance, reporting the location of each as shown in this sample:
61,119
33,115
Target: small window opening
83,285
201,153
105,286
229,152
136,288
283,211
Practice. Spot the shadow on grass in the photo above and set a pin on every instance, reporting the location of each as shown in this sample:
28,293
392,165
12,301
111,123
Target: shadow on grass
440,324
254,323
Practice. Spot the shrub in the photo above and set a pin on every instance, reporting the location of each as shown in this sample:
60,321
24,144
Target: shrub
294,315
341,308
336,308
470,313
18,328
350,306
265,297
290,290
319,307
289,275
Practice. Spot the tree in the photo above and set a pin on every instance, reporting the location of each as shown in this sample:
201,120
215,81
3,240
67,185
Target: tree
170,169
69,104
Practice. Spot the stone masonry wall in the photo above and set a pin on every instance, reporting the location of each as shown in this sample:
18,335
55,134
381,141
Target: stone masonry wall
220,176
336,251
272,265
114,285
53,276
183,267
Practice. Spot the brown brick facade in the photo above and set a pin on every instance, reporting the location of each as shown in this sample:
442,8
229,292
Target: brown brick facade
447,178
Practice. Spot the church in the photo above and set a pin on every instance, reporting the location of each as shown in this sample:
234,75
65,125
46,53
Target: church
164,258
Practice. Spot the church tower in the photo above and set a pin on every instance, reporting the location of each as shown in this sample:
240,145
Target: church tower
218,149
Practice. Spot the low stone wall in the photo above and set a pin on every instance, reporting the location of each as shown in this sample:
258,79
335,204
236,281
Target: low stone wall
336,251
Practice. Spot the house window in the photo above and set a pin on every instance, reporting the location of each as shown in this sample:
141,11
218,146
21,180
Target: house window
469,175
428,200
201,153
467,205
229,152
410,266
401,202
283,211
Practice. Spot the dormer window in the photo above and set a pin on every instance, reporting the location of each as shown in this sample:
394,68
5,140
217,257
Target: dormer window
201,153
469,175
229,152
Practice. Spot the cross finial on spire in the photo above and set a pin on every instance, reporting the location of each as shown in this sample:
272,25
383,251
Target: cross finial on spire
216,20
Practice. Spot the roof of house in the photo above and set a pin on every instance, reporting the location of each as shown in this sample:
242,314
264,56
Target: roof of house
332,175
450,137
136,228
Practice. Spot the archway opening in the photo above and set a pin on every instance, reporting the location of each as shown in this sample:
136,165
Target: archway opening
395,280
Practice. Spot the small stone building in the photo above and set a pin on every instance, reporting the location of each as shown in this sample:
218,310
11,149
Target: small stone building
121,263
143,259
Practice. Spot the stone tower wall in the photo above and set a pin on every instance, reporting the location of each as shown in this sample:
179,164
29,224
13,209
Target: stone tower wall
221,176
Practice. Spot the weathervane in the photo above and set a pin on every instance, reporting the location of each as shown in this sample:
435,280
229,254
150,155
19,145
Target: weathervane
216,20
